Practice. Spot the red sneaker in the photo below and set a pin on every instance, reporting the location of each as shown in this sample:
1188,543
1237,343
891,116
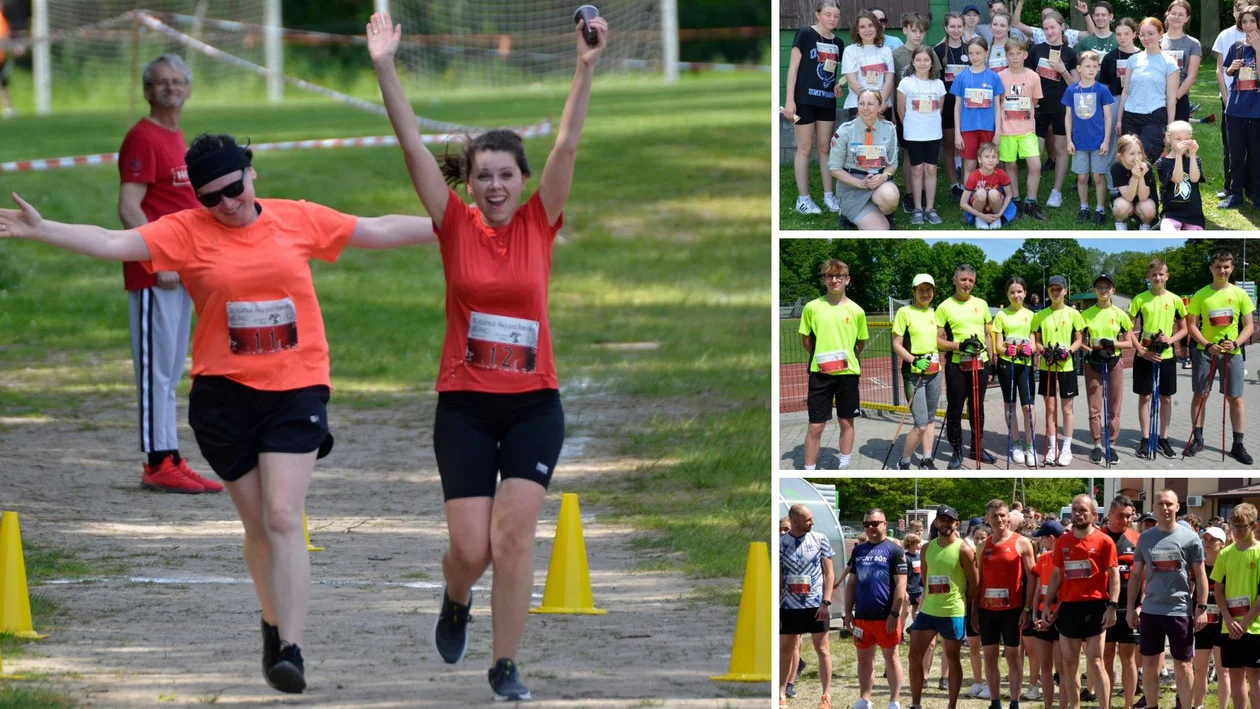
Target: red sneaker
166,477
207,484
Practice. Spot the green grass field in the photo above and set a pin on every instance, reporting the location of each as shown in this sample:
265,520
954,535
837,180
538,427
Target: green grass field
1063,218
665,242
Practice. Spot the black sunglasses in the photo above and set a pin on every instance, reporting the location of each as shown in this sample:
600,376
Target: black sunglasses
882,20
234,190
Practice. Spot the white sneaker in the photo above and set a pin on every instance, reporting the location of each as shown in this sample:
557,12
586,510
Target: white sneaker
1056,199
897,705
1030,458
984,692
832,202
1050,459
1065,456
862,704
805,205
1017,454
1033,693
976,689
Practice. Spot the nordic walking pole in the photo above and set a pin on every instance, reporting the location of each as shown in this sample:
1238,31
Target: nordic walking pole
1152,443
909,404
1032,410
1200,414
1106,411
1224,397
975,413
1010,410
945,374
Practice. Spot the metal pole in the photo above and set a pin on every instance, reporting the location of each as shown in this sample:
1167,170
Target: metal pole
41,57
669,39
274,49
381,6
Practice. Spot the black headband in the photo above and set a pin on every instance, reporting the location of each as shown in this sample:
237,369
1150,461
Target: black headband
211,166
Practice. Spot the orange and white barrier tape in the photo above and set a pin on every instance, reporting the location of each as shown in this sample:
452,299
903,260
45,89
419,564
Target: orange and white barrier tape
371,141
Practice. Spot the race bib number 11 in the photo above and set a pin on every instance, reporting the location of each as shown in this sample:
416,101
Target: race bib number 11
501,342
262,327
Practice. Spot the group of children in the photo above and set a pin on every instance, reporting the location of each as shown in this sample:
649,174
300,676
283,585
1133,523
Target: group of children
989,96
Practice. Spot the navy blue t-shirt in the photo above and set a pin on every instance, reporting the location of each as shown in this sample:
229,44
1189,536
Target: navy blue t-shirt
1086,105
875,565
1244,98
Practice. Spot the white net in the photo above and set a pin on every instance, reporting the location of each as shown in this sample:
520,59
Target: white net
498,43
98,49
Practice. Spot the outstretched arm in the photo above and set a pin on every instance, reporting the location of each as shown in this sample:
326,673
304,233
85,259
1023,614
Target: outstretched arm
383,37
391,232
557,177
86,239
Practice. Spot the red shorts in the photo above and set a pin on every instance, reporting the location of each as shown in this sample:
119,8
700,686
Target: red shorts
972,139
869,633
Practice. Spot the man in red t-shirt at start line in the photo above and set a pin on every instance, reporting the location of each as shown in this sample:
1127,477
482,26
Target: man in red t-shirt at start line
159,311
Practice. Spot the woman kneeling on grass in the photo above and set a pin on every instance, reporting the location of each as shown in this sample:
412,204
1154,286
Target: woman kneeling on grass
498,413
863,160
260,358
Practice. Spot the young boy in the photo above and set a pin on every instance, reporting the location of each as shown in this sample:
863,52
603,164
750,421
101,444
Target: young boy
915,27
1219,320
1021,92
833,332
977,116
988,196
1057,332
1088,124
1159,321
1107,331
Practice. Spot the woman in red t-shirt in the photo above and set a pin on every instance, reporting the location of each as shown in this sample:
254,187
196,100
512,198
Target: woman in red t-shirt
498,413
260,358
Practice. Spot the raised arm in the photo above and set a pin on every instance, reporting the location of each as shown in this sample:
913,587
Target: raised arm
392,231
383,37
557,177
86,239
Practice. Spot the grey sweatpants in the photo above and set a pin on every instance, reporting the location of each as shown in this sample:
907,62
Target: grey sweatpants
160,321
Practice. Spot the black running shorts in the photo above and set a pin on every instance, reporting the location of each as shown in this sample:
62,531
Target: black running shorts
480,437
234,423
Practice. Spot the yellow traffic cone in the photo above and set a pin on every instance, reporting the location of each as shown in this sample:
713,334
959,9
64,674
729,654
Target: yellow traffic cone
307,531
15,600
750,653
568,587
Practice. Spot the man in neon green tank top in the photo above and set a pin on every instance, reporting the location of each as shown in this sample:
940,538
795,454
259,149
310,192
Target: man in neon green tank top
833,332
1220,320
950,580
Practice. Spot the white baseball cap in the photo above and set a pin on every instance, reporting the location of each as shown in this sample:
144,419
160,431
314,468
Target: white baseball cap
1215,532
921,279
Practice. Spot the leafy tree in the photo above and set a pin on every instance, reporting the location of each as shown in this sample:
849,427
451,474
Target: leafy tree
969,496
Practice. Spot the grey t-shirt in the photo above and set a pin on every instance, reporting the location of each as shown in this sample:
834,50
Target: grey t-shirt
1168,557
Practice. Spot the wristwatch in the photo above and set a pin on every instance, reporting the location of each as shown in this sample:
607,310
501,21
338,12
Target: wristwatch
826,602
1201,607
1113,605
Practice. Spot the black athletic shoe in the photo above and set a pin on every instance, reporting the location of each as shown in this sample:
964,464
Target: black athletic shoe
927,464
1140,703
955,191
985,456
903,465
1231,202
1166,448
1240,454
505,680
1195,446
1088,696
790,692
955,460
907,204
1096,455
1100,217
1034,210
288,674
847,224
1143,449
1114,457
1082,217
271,645
450,633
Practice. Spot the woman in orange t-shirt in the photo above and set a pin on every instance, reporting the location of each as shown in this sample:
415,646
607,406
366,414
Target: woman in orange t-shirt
260,358
498,414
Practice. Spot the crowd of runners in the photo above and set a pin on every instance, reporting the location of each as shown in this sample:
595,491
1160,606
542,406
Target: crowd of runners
1028,595
957,346
197,237
1111,103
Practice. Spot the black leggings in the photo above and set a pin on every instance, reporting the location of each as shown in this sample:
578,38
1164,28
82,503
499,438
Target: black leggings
479,437
958,391
1244,167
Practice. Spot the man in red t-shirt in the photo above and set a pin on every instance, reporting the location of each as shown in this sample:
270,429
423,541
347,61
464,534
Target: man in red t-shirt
154,184
1086,582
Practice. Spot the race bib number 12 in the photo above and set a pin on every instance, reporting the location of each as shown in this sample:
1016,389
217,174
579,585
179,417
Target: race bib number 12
503,343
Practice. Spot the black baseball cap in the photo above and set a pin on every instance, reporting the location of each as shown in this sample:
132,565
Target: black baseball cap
1050,527
947,511
1057,281
1104,277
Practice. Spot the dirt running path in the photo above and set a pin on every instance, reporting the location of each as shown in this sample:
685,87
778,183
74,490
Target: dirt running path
181,624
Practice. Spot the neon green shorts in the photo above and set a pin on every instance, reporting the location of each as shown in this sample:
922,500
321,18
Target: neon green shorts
1018,147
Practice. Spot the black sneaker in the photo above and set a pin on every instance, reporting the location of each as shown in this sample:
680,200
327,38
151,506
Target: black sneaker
955,191
1114,457
985,456
1033,210
1196,445
1100,217
271,645
1082,217
790,692
1166,448
1240,454
288,674
1143,450
1088,696
847,224
903,465
505,680
1096,455
927,464
1231,202
955,460
450,633
907,204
